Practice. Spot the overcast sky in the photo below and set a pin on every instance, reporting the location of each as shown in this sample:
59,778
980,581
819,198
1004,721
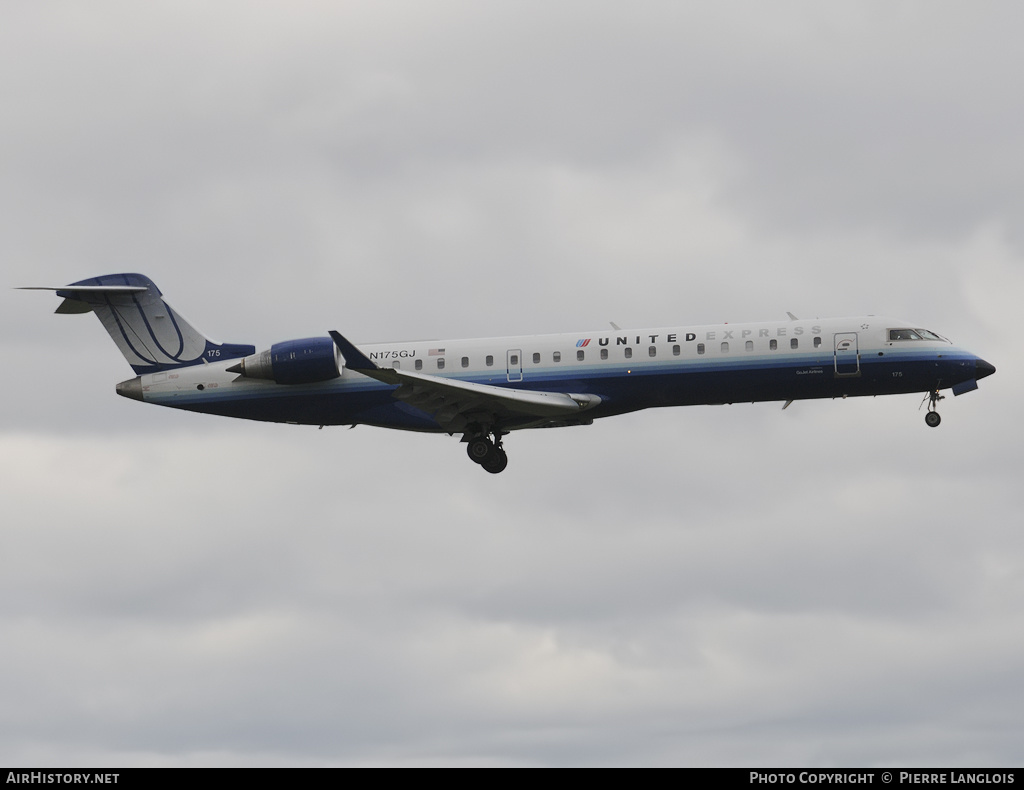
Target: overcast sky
836,584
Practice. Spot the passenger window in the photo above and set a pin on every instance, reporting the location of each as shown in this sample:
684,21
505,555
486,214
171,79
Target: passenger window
817,342
419,364
652,351
396,365
514,359
629,352
700,348
579,355
773,344
489,360
794,343
440,363
750,345
557,356
604,353
465,362
536,358
725,347
675,351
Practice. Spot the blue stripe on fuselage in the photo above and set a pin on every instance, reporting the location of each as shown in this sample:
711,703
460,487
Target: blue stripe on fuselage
622,388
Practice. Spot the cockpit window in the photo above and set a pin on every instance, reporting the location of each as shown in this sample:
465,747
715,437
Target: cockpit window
915,334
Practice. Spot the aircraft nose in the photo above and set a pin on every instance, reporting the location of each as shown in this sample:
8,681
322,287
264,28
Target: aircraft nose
983,368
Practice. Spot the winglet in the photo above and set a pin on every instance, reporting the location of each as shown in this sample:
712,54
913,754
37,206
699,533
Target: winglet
354,358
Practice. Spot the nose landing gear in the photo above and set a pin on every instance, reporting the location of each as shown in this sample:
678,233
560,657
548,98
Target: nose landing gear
932,417
489,454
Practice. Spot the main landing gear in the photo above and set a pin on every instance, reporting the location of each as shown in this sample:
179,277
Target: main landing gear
932,417
489,454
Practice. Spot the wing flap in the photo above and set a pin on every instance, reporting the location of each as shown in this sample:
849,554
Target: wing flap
533,403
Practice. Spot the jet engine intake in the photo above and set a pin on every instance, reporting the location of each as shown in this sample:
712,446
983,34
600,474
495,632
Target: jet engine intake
302,361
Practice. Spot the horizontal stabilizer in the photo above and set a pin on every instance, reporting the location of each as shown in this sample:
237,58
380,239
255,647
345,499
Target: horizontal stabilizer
88,289
76,296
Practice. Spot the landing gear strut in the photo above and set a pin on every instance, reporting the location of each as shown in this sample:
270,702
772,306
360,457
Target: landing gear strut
489,454
932,417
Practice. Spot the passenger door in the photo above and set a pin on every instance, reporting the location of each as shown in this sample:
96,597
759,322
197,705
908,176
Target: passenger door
847,354
514,364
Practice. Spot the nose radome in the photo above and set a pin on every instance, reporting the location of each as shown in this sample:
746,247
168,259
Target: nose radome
983,368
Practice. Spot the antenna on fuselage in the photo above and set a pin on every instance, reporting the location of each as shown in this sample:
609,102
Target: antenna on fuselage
615,326
791,316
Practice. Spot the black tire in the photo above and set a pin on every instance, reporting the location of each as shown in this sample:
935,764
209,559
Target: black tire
497,462
479,450
933,419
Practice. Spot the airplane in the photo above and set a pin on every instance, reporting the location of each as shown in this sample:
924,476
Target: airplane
484,388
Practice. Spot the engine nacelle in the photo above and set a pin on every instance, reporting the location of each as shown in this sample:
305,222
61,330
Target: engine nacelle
294,362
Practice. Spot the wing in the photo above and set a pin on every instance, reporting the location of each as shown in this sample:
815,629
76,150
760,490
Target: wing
455,404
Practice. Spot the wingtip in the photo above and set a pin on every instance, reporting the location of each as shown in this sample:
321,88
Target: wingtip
354,358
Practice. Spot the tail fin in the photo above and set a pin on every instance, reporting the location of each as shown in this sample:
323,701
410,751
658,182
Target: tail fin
150,333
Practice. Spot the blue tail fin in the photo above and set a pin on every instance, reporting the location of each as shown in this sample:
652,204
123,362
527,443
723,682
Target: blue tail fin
150,333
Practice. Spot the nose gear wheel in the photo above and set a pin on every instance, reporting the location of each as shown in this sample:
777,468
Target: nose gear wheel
932,417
